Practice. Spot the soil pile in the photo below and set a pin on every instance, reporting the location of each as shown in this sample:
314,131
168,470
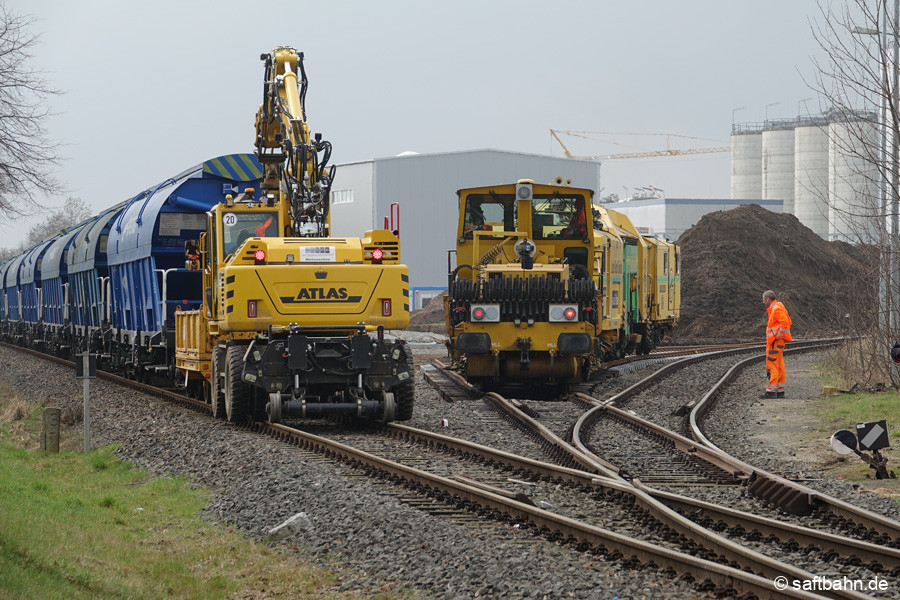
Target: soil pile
731,257
430,317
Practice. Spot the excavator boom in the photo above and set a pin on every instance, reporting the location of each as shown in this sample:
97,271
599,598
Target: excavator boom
296,163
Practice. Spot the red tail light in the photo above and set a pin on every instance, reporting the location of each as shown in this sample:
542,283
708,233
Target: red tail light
377,256
251,309
260,257
386,307
569,314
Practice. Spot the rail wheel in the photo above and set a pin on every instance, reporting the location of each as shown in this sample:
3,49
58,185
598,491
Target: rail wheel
274,407
217,393
237,393
390,409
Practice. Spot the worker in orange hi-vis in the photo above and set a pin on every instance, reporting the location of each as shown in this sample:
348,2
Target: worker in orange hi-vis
778,332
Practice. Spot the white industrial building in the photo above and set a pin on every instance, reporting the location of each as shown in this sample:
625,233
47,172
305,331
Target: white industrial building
812,165
425,187
670,217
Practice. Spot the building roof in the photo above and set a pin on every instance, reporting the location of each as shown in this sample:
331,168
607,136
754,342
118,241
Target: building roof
409,154
696,201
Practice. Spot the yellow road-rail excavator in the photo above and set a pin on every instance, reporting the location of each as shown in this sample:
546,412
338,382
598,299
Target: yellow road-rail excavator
292,323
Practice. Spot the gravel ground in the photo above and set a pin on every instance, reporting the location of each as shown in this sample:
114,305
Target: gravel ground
782,435
376,539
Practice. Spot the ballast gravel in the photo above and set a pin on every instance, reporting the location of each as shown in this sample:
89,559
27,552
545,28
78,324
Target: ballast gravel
774,434
357,525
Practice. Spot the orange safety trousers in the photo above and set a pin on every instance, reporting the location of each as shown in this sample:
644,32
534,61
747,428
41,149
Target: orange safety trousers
778,331
775,365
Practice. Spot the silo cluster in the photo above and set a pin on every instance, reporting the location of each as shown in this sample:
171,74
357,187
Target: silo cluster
821,168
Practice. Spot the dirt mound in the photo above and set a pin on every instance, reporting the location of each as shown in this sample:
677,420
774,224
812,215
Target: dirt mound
731,257
430,317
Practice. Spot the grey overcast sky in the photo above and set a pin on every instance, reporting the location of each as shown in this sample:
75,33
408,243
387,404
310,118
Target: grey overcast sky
153,88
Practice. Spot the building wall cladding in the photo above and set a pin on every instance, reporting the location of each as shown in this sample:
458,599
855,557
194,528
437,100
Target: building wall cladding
425,185
353,200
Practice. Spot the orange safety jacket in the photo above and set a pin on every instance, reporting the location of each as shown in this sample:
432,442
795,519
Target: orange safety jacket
778,327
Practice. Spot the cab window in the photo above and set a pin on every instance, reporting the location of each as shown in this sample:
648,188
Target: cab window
559,217
238,226
489,212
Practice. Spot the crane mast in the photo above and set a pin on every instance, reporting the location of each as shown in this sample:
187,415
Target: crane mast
295,163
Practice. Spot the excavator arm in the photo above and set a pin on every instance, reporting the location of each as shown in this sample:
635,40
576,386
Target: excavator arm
296,163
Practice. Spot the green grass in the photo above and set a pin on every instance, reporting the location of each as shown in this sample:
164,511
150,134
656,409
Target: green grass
844,411
89,525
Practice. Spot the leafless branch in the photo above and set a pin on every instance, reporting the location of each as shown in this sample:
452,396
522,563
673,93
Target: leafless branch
28,158
855,79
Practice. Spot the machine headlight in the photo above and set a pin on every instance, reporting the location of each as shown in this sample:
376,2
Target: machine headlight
563,313
486,313
525,247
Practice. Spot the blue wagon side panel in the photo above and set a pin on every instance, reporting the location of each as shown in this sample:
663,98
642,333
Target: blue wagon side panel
89,251
146,241
85,300
55,261
30,279
31,266
54,276
12,289
88,270
135,296
3,267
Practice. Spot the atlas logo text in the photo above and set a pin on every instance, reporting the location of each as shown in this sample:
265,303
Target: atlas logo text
321,294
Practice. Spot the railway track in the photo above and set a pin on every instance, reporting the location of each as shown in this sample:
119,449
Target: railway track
740,524
518,509
492,495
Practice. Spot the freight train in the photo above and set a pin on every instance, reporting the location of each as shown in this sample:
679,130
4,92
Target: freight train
224,281
549,285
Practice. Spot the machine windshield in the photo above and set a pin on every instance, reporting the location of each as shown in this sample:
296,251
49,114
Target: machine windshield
489,212
238,226
555,216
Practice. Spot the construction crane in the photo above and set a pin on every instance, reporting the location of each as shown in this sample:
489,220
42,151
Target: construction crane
669,151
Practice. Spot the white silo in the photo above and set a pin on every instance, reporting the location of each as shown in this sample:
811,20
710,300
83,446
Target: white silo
811,175
746,165
778,165
852,179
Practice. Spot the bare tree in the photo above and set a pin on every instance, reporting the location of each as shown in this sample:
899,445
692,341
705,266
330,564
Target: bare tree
27,155
7,253
73,212
857,81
